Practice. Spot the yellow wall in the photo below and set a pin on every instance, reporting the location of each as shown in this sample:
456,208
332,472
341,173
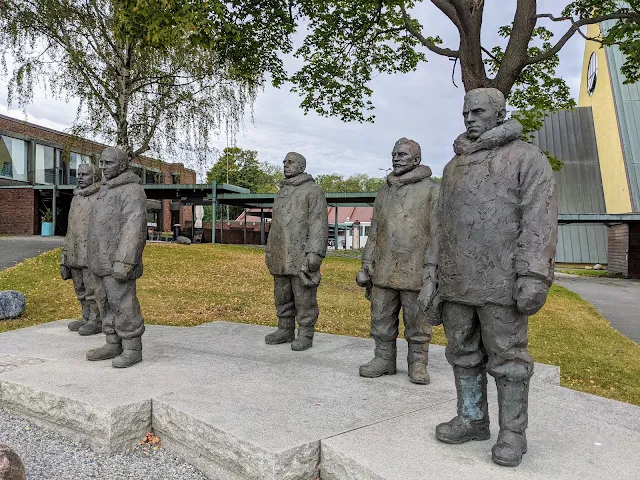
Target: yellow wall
612,166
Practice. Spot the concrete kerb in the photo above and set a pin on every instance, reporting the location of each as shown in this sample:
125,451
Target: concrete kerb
244,410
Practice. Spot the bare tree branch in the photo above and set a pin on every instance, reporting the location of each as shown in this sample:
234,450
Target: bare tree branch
574,28
445,52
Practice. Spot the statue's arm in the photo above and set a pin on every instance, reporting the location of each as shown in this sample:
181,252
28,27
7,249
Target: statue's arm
318,224
536,246
133,229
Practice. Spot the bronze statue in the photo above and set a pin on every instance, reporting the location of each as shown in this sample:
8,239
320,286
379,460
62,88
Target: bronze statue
394,263
73,261
117,237
497,239
296,245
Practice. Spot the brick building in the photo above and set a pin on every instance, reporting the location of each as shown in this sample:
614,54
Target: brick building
37,163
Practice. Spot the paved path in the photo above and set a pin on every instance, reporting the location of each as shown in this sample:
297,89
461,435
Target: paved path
16,249
617,300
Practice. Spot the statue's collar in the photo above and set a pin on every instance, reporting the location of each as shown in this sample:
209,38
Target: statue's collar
87,191
413,176
496,137
297,180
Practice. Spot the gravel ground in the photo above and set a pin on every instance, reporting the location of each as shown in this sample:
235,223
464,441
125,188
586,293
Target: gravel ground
48,456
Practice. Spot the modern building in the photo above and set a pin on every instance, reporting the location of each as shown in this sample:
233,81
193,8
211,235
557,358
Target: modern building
38,168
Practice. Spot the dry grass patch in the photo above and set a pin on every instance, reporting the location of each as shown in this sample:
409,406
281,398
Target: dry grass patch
190,285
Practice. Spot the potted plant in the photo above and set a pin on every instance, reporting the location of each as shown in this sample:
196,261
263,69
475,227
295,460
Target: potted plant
47,223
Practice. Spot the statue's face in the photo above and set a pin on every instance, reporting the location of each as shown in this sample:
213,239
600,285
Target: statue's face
480,115
111,164
404,159
85,176
292,166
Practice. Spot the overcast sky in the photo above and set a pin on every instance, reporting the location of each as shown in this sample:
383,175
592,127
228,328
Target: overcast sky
422,105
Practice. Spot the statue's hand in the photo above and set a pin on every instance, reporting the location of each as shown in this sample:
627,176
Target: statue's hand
313,261
530,294
65,272
363,278
427,293
122,271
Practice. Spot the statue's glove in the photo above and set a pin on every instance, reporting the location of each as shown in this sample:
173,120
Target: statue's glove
65,272
363,277
122,271
530,294
313,261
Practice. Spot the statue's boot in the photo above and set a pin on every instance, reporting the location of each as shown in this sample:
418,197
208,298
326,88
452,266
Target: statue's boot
76,324
94,324
285,333
304,340
383,362
111,349
513,397
472,421
131,353
418,359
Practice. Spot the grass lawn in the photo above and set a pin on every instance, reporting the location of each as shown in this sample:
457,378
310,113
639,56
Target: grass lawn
190,285
582,272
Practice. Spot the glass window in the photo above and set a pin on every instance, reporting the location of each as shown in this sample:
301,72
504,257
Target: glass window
367,230
13,158
45,166
75,160
153,177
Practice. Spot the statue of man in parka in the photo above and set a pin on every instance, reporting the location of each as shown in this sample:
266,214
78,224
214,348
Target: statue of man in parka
117,237
73,261
395,262
296,246
497,238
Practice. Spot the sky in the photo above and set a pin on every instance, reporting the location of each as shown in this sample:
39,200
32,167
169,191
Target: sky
423,105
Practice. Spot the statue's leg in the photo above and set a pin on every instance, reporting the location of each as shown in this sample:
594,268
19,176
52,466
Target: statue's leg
113,346
465,352
306,301
79,287
505,338
385,308
417,332
129,324
285,310
92,324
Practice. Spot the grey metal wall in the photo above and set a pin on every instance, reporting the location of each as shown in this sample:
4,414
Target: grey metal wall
570,135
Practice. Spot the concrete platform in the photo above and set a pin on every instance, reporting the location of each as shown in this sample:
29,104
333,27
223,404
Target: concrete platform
239,409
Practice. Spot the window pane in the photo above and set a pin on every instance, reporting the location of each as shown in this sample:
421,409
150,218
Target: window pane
44,164
13,158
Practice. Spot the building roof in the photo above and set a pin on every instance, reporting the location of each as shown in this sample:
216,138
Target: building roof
345,214
570,135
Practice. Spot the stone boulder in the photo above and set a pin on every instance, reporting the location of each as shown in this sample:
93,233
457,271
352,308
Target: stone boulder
183,240
597,266
12,304
11,467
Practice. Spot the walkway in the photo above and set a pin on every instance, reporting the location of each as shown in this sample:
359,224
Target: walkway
617,300
17,249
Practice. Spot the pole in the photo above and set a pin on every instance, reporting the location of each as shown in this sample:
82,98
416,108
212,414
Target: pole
214,205
221,223
193,221
335,229
245,225
54,206
261,226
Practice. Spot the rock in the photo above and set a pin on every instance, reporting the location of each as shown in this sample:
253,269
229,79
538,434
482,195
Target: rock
11,467
12,304
183,240
588,267
597,266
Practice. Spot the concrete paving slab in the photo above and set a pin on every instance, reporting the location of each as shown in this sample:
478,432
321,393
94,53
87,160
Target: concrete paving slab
567,440
238,409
